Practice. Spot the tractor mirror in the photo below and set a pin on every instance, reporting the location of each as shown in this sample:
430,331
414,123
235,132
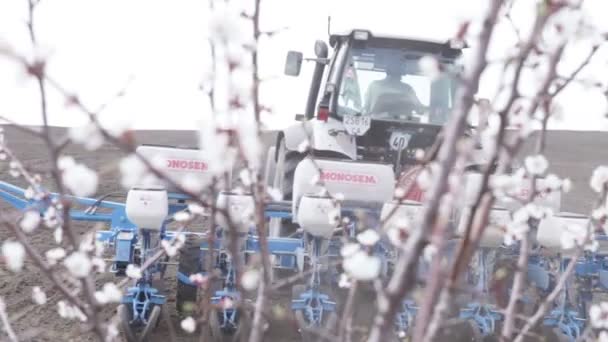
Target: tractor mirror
293,63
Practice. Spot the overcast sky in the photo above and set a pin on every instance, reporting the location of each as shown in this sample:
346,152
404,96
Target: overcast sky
160,47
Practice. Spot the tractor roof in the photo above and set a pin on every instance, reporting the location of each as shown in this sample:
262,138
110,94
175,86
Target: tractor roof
398,36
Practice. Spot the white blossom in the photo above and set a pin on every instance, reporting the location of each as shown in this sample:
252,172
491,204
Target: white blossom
429,66
14,255
29,193
515,232
250,279
38,296
79,264
54,255
14,167
87,135
368,238
574,235
245,176
598,315
344,281
112,331
30,221
133,171
99,264
566,185
110,293
603,336
133,271
196,209
362,266
198,279
182,216
225,24
599,213
58,234
429,252
68,311
537,164
599,178
51,217
349,249
188,325
552,182
274,193
399,192
80,180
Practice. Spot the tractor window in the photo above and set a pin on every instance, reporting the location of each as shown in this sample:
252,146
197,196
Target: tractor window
387,83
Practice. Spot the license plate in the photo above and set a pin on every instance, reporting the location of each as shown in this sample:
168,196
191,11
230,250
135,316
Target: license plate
356,124
399,140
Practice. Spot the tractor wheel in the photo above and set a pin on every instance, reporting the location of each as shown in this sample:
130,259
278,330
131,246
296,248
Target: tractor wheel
240,335
271,166
285,169
189,263
142,333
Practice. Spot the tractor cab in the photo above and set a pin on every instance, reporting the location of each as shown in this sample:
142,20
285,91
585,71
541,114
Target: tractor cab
372,100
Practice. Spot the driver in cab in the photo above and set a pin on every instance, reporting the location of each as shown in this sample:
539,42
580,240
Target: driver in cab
391,95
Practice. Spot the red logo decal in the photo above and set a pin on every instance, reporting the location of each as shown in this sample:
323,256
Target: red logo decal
343,177
408,181
186,165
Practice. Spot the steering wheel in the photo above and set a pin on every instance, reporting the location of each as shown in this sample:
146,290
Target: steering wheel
394,105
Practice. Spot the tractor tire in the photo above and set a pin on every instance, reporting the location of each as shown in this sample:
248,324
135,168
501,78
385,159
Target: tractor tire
285,168
189,263
271,166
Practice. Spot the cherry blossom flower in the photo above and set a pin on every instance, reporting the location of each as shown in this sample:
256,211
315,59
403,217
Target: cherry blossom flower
368,238
599,178
54,255
133,271
274,193
598,315
80,180
196,209
250,279
79,264
38,296
68,311
344,281
536,165
87,135
30,221
188,325
110,293
182,216
349,249
362,266
198,279
14,255
429,252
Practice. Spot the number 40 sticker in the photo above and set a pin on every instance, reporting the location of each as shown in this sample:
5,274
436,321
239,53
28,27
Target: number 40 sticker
399,140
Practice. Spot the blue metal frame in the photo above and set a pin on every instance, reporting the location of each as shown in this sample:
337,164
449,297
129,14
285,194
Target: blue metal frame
484,316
